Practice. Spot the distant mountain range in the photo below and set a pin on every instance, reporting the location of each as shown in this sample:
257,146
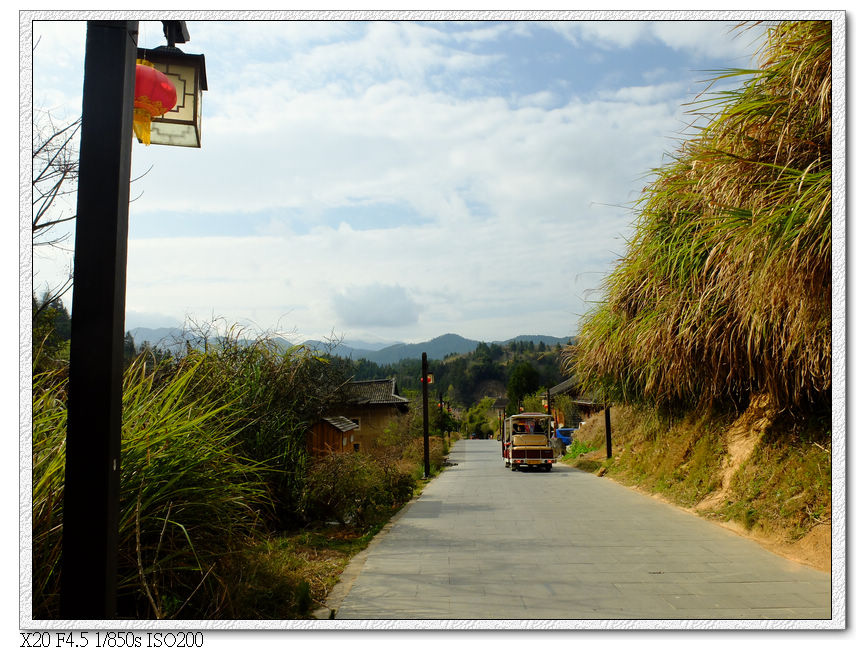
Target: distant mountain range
380,353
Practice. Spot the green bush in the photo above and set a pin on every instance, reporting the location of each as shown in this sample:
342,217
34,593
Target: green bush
414,453
274,394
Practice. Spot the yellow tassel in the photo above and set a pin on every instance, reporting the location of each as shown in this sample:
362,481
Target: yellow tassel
141,125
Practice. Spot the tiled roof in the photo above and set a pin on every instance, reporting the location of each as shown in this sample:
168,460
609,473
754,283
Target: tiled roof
564,387
568,386
341,423
373,391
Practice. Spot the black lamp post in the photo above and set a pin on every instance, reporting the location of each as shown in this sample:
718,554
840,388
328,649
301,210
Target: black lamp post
92,480
425,380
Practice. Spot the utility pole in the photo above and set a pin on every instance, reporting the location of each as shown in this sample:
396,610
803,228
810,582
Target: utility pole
442,417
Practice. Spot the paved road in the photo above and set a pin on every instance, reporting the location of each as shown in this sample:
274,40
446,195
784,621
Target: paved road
483,542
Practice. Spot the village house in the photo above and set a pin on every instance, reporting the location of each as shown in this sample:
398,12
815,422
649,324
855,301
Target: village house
577,407
365,411
330,435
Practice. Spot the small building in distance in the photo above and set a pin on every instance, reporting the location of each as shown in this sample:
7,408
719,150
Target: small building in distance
372,405
577,407
329,435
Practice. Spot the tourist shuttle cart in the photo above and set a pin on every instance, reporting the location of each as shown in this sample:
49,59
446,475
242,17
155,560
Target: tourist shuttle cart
527,441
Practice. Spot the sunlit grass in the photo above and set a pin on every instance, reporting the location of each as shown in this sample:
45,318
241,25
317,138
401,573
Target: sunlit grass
725,290
184,492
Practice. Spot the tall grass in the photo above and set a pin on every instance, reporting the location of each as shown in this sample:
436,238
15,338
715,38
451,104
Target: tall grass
213,463
724,290
213,456
277,395
185,493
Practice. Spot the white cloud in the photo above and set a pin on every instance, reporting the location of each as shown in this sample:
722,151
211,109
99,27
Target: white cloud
515,201
709,39
375,306
646,94
695,38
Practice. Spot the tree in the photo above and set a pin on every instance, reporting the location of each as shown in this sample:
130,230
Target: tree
55,172
477,419
128,349
524,380
51,331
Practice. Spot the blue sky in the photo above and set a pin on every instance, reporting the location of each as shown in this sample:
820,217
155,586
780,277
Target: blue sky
397,180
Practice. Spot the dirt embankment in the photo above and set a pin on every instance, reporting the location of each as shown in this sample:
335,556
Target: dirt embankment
760,474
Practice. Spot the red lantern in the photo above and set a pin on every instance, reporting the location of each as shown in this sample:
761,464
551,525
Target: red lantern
155,95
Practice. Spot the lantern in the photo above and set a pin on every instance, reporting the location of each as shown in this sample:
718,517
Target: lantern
181,125
155,95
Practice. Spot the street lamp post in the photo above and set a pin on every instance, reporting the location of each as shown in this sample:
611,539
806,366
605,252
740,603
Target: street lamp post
92,482
425,400
95,393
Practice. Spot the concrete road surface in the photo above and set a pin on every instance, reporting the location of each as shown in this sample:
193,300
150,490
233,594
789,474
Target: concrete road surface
483,542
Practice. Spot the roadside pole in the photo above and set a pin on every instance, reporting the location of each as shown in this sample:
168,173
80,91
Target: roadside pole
88,578
609,431
425,381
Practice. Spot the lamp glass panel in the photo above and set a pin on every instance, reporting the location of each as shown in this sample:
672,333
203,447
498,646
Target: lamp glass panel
180,126
178,135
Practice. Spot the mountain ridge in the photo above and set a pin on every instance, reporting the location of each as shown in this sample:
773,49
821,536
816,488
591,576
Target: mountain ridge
436,348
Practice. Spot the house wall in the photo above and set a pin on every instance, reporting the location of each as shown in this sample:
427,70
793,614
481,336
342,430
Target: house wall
373,421
324,438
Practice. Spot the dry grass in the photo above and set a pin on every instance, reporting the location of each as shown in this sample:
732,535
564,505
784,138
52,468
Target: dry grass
288,576
725,288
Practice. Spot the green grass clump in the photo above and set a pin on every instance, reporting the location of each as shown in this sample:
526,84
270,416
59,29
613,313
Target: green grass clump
576,449
724,290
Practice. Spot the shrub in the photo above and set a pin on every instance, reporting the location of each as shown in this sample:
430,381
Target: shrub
414,453
273,394
354,488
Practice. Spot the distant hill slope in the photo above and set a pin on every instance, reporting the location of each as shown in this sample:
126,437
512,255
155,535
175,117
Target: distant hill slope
437,348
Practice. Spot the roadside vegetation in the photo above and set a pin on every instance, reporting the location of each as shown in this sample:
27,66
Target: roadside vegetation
713,339
222,512
769,477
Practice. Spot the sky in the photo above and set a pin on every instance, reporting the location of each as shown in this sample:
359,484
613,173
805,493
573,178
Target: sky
396,180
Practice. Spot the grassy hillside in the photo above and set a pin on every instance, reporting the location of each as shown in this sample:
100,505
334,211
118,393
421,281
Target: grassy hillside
714,334
724,291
